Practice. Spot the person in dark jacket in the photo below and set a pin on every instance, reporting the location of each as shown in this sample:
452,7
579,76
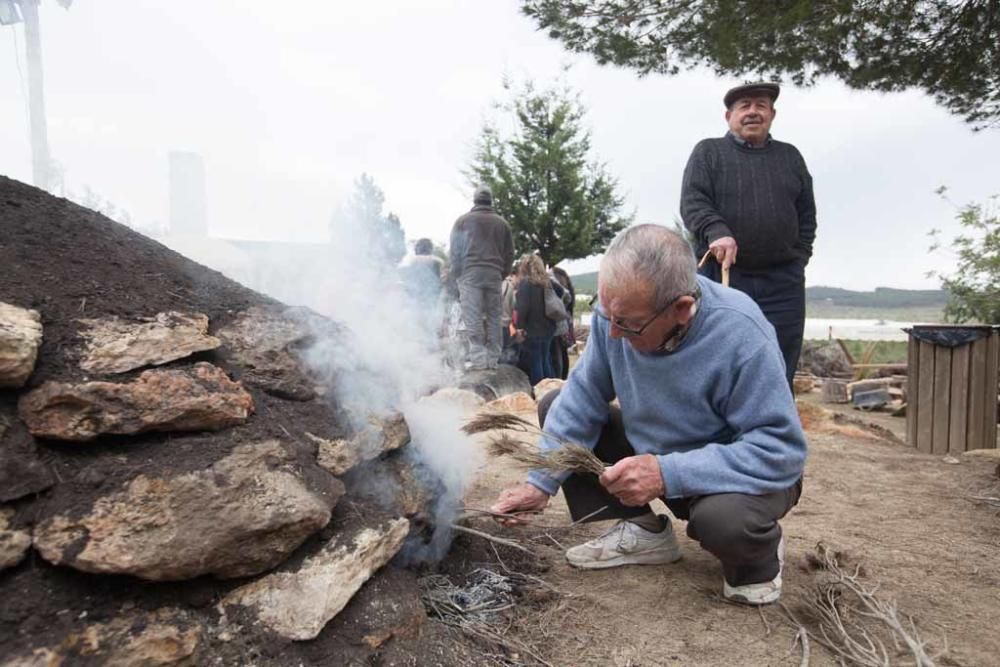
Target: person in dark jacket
481,253
530,319
561,343
750,195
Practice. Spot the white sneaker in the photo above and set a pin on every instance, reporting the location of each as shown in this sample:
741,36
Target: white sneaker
626,543
757,594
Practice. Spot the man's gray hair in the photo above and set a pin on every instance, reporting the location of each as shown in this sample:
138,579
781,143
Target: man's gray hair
651,253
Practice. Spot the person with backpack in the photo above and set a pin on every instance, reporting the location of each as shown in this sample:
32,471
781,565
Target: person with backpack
563,339
530,318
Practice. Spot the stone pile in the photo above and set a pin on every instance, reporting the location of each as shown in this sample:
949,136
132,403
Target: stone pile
176,485
241,516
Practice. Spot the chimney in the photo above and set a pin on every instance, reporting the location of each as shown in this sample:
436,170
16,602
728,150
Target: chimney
187,194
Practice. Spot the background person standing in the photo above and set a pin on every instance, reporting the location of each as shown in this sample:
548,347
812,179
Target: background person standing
530,318
481,252
748,195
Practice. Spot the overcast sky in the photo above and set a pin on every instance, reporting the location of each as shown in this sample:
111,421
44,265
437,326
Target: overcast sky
289,102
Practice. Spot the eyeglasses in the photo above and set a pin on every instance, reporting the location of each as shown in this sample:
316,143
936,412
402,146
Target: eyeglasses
628,331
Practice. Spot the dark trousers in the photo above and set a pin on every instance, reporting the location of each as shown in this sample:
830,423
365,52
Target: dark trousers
559,354
739,529
536,351
780,291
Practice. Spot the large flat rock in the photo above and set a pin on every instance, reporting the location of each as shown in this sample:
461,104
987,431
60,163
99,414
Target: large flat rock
114,345
202,398
298,604
242,516
20,336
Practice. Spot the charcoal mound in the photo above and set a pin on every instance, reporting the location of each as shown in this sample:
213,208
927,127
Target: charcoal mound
240,499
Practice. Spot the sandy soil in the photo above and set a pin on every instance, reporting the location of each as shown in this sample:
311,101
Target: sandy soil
903,515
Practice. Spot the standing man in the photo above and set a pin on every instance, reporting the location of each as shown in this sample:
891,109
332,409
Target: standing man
481,253
746,194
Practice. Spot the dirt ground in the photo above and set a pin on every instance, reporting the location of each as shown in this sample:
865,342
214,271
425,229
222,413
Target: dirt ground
903,515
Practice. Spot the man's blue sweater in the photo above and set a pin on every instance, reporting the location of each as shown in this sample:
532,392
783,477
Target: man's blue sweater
717,412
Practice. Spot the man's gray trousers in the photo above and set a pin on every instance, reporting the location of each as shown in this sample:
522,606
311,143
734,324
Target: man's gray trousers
481,310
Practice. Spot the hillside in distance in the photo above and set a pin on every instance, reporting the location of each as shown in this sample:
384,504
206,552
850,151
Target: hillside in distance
821,301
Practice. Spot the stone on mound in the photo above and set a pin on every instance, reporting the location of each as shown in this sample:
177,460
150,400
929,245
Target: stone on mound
518,402
242,516
265,340
202,398
163,637
379,436
20,336
115,345
297,605
546,386
468,400
13,543
496,382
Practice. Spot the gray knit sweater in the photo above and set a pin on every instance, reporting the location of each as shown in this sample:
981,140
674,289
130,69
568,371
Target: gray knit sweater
763,197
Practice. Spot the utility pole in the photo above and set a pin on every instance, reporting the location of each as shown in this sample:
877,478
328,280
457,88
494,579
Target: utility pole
40,160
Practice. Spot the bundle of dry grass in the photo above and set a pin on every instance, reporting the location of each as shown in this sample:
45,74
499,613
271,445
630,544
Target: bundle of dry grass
568,457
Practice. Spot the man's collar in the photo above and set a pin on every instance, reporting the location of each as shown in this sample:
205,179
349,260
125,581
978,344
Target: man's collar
740,141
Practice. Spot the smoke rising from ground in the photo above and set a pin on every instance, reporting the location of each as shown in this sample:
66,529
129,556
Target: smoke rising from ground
388,359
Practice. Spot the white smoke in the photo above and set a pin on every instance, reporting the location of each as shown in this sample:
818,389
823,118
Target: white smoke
451,457
390,357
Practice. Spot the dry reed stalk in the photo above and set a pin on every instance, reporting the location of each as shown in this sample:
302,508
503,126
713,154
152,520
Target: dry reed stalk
493,421
568,457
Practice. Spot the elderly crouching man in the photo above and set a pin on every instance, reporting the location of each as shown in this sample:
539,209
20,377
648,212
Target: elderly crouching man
707,421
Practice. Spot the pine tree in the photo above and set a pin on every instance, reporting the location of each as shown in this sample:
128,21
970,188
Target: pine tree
378,236
558,200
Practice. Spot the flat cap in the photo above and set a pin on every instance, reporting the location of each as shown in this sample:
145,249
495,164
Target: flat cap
747,89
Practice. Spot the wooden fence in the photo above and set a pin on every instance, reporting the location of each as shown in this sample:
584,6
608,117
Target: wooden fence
952,394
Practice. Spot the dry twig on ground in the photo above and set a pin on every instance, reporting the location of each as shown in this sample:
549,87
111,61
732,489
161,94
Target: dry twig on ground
492,538
853,622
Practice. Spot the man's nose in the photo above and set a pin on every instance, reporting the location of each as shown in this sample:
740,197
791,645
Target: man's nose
616,332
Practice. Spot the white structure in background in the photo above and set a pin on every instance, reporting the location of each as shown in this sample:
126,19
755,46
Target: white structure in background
187,194
187,232
272,267
11,12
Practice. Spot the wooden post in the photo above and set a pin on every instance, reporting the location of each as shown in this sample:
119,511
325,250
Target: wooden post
912,389
959,414
990,407
942,396
925,400
977,399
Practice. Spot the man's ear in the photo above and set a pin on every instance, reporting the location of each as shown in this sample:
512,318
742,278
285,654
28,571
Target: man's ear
729,113
682,309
